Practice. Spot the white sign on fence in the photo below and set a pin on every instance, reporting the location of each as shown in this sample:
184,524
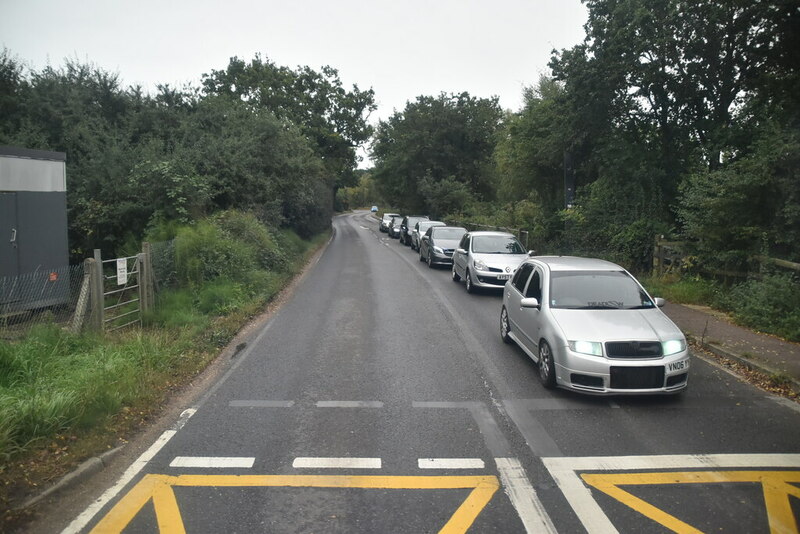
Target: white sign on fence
122,271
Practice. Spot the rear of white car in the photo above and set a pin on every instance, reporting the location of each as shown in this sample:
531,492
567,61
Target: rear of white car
592,328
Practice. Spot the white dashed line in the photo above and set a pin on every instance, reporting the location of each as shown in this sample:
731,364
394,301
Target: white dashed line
349,404
450,463
336,463
220,462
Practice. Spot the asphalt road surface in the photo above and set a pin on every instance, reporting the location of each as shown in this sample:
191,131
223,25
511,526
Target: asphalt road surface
381,399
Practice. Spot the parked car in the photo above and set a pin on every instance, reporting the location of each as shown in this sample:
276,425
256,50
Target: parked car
419,230
408,225
394,226
374,209
591,327
487,259
439,243
385,220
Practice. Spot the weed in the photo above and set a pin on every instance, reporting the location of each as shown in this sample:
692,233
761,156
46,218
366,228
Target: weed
781,379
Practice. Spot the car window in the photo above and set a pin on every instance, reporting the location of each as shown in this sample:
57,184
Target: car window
521,276
534,289
447,233
497,245
596,290
463,242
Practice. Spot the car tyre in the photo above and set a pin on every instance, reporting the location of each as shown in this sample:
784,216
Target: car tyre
547,368
430,260
456,277
505,327
468,283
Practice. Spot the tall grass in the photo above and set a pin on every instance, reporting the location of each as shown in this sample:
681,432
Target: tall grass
53,381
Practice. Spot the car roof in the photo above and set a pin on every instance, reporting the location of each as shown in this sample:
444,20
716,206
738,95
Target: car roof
575,263
488,233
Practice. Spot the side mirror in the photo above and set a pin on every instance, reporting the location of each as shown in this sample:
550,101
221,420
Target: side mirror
529,302
531,253
660,302
461,251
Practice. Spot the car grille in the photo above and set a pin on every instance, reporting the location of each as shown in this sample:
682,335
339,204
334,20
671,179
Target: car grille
633,349
637,377
494,270
448,252
675,380
491,280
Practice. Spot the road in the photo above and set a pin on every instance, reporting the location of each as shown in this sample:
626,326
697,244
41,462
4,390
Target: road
381,399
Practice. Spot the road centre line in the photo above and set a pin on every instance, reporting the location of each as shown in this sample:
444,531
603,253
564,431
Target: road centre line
349,404
450,463
523,496
220,462
83,519
565,472
260,404
336,463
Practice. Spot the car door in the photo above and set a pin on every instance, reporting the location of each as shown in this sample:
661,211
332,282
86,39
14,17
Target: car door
425,243
460,256
529,326
514,292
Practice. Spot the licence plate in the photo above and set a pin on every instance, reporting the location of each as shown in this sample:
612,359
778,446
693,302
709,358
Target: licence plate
504,277
678,366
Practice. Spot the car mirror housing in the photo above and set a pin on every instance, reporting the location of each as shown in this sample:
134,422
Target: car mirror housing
531,253
530,302
461,251
660,302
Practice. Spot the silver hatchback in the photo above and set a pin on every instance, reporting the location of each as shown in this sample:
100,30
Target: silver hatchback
486,259
591,327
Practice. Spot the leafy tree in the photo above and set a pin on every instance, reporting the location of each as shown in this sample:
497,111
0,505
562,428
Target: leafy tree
434,139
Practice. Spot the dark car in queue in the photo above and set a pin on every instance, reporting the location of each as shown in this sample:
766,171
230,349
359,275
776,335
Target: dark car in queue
385,220
407,226
419,230
437,245
393,229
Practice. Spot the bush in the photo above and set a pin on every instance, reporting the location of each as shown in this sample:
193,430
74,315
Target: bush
204,252
768,305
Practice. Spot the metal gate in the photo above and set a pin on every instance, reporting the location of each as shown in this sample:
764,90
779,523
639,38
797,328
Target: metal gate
121,291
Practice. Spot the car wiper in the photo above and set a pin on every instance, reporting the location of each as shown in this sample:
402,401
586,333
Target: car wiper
597,308
643,307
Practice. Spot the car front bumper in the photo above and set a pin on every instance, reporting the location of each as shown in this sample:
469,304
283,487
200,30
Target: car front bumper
599,375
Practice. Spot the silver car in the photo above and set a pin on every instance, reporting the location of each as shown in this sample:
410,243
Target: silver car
419,230
487,259
591,327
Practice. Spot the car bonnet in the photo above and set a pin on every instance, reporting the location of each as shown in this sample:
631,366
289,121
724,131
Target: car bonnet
615,325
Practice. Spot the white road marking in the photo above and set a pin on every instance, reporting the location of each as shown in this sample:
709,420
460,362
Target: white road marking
220,462
349,404
260,404
565,472
336,463
522,495
450,463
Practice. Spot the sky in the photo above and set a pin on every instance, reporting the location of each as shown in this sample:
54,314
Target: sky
401,49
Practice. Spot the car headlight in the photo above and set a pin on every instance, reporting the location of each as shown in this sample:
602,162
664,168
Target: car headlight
438,250
673,346
480,265
586,347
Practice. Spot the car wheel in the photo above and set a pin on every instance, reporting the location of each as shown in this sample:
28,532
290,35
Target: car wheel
547,371
456,277
468,282
505,327
430,260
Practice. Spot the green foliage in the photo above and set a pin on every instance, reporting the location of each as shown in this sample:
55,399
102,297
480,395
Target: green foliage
768,305
204,252
682,289
434,139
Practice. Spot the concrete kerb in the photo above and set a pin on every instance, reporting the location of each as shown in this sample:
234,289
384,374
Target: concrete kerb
750,364
79,474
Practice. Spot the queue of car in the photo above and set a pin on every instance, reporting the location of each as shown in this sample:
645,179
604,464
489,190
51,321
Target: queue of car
587,323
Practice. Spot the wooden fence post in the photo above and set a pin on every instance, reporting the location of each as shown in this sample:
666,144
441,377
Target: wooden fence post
98,289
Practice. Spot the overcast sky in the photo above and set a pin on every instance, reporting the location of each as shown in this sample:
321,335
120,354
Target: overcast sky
401,49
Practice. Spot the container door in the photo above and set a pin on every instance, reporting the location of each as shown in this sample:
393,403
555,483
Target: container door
9,252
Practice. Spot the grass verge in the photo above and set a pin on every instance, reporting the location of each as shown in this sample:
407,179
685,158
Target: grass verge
66,397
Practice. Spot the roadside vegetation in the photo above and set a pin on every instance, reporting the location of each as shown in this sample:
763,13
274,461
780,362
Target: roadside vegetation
59,391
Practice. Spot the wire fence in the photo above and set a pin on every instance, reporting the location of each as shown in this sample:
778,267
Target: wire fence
43,296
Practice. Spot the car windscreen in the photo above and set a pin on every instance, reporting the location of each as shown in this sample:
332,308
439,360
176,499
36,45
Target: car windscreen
451,234
596,290
414,220
482,244
424,225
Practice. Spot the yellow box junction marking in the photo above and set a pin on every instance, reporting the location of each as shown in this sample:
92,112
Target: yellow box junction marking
777,487
168,515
